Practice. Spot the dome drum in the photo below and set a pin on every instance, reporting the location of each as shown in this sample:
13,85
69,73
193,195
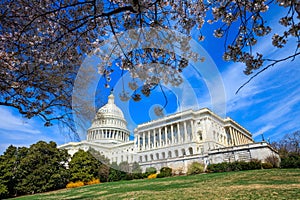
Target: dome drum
107,134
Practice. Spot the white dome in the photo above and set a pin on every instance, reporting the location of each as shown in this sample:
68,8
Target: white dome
110,109
109,124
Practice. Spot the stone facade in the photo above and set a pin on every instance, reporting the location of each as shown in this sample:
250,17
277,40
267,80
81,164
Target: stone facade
174,141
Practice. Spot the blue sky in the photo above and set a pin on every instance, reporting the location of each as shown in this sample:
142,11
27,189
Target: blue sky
269,104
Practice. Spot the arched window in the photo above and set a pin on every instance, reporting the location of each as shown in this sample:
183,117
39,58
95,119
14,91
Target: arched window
151,157
200,136
191,151
176,153
157,156
169,154
163,155
183,152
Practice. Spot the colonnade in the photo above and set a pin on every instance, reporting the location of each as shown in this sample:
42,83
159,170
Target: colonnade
176,133
237,137
108,134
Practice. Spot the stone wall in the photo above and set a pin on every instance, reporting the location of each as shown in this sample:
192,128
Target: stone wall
246,152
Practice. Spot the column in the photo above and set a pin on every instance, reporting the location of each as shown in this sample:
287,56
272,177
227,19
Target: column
192,129
149,140
154,138
185,132
235,136
159,134
243,139
231,137
178,133
166,135
172,134
144,144
138,141
238,137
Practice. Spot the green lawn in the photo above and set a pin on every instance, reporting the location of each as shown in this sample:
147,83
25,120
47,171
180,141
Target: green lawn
256,184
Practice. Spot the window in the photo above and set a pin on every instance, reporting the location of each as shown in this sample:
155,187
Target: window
183,152
176,153
191,151
200,135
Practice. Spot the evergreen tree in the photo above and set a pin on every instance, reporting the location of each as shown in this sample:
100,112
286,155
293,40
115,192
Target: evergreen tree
39,168
42,169
83,166
7,169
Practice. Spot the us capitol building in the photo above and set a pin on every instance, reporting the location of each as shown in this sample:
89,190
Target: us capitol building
174,141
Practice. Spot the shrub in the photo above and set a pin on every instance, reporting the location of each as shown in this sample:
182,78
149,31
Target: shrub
128,176
195,168
150,170
74,185
137,175
93,181
220,167
291,161
152,176
165,172
244,165
267,165
235,166
273,160
255,164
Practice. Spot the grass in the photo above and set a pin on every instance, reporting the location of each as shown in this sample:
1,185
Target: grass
256,184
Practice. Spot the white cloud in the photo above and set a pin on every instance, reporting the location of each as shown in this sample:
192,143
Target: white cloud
18,131
12,122
263,130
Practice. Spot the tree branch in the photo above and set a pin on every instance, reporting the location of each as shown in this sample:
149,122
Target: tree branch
265,68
